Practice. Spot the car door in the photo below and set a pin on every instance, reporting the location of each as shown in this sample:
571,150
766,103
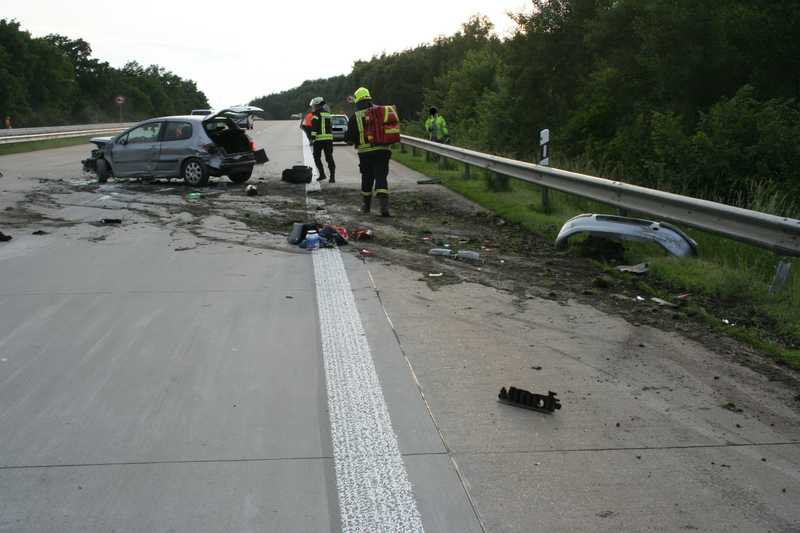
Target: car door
176,145
136,152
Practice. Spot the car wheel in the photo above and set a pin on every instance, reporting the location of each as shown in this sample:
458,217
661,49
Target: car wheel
194,173
103,170
241,177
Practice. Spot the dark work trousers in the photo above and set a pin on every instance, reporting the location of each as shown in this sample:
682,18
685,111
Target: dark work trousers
327,147
374,167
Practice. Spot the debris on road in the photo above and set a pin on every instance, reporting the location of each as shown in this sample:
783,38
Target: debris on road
446,252
730,406
194,196
529,400
468,255
435,275
336,234
663,303
251,190
297,174
641,268
362,234
669,237
4,237
111,221
429,181
39,232
364,252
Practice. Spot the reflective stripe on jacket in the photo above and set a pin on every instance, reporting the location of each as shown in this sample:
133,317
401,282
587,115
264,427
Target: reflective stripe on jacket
321,126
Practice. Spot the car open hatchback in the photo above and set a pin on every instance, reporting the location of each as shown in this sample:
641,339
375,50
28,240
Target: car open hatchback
191,147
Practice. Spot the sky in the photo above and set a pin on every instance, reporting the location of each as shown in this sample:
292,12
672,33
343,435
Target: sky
251,49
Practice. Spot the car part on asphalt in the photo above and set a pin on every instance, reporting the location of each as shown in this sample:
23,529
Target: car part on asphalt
672,239
4,237
40,232
297,174
111,221
529,400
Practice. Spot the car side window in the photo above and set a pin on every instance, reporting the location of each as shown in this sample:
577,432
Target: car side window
147,133
177,131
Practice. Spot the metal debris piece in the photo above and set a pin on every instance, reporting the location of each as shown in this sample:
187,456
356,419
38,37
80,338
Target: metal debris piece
641,268
429,181
529,400
663,303
669,237
111,221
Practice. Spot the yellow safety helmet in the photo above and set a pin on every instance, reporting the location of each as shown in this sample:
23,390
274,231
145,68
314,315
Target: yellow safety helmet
362,93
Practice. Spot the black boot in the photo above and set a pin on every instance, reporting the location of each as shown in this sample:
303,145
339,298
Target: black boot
383,199
322,177
333,177
366,203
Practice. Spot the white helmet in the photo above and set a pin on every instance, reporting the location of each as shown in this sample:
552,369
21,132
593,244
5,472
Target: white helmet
316,101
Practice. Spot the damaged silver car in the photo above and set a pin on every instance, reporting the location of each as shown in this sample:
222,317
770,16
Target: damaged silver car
191,147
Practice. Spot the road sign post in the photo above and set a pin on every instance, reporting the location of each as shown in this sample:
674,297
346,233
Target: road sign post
544,160
120,100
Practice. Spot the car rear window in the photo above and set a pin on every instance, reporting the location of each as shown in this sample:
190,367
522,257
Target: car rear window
178,131
339,121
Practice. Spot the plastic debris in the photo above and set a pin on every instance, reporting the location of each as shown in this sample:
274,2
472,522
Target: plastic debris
663,303
639,299
684,297
366,253
40,232
641,268
468,255
441,252
111,221
429,181
529,400
251,190
193,196
363,234
435,275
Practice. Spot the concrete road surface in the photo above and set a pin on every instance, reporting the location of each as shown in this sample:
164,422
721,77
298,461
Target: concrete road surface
188,370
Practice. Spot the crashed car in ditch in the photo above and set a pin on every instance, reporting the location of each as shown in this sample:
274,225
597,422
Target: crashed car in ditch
191,147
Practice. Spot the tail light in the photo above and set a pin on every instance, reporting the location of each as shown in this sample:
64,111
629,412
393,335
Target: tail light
252,145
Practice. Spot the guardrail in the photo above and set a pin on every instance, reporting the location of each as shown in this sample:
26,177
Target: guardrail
779,234
57,132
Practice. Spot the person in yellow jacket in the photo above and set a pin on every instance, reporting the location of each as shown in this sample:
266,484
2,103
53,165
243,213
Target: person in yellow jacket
373,161
437,127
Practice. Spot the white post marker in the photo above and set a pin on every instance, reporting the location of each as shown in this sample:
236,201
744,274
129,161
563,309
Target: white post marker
544,160
544,147
375,494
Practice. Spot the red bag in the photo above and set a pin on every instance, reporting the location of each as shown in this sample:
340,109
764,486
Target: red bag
382,125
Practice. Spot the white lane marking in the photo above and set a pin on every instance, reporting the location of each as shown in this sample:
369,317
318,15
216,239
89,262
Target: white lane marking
374,492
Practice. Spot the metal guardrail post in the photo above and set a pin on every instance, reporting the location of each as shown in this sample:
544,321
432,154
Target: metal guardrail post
413,151
442,162
427,156
782,272
402,148
499,182
467,175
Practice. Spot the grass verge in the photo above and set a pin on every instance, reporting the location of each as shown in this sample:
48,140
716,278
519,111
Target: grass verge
728,281
32,146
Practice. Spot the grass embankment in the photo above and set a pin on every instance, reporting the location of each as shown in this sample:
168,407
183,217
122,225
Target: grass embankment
728,280
32,146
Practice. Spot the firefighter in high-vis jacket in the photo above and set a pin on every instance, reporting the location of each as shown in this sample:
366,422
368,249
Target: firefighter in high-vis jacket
373,161
437,127
321,138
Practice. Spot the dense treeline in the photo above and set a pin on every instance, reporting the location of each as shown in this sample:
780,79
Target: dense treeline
694,96
55,80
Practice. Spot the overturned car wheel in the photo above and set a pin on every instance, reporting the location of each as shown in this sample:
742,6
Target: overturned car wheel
103,170
194,173
241,177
